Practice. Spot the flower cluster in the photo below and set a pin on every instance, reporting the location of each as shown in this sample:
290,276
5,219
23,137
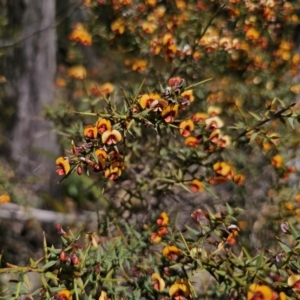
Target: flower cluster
100,149
80,35
99,152
162,222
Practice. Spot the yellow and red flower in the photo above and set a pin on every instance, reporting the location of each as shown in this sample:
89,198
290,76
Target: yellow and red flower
77,72
172,252
63,295
111,137
188,95
170,113
224,141
63,166
224,169
104,89
180,290
215,136
157,282
214,123
186,127
139,65
107,88
214,111
81,35
114,171
192,141
102,157
239,179
163,219
252,34
174,81
294,281
90,131
196,186
259,292
118,26
158,105
103,125
147,99
4,197
199,117
277,161
149,27
155,238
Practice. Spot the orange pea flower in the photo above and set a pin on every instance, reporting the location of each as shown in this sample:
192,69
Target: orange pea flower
103,125
213,123
81,35
239,179
63,166
196,186
186,127
114,171
199,117
170,113
188,95
224,169
163,219
170,52
252,34
4,198
64,295
180,290
192,141
169,40
224,141
277,161
118,26
180,4
214,111
147,99
159,105
151,2
175,81
103,296
155,237
107,88
104,89
77,72
196,55
157,282
215,136
102,157
259,292
294,281
149,27
111,137
90,131
139,65
172,252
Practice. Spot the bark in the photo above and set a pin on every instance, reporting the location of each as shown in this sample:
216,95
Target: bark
34,71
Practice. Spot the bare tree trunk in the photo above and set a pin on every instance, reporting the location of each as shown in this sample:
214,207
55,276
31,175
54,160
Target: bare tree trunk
33,142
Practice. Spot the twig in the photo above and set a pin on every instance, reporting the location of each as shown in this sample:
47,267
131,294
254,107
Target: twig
262,122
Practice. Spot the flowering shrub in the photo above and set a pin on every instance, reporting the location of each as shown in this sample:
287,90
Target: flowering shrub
213,126
125,264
